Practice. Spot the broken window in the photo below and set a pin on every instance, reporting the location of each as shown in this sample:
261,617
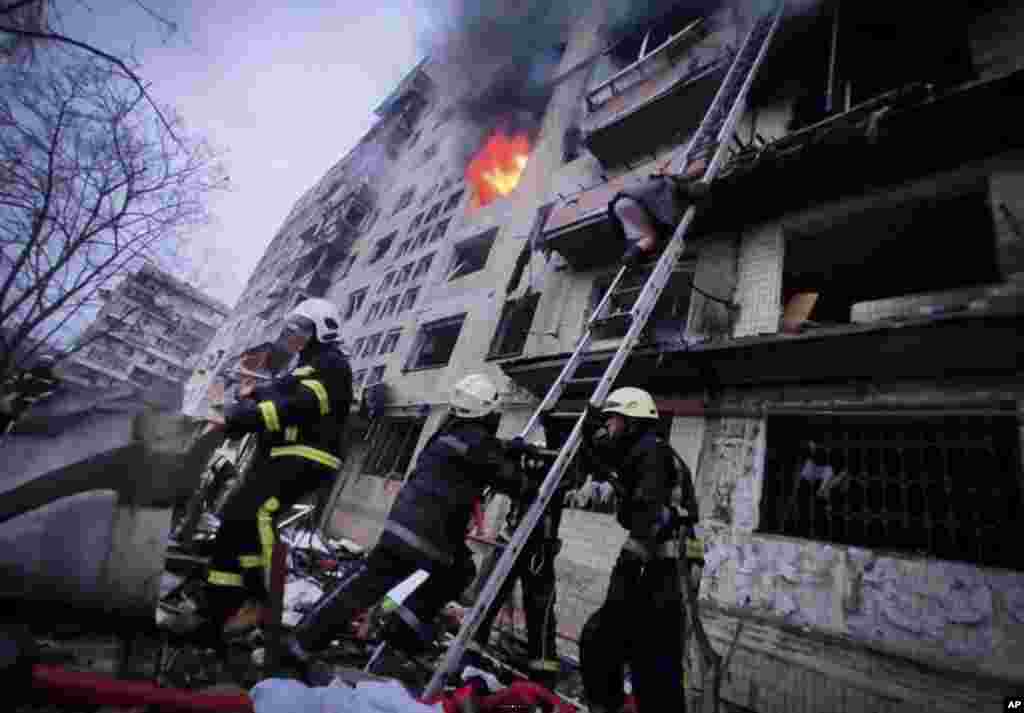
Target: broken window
453,200
408,299
834,276
897,483
387,281
404,274
390,342
423,266
403,201
514,326
440,229
668,318
639,44
434,210
389,306
372,313
372,342
392,448
381,247
435,343
471,255
355,303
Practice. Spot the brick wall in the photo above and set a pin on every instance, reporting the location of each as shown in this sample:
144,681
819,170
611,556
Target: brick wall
759,282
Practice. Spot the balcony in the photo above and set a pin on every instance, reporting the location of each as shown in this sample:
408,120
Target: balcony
656,101
578,227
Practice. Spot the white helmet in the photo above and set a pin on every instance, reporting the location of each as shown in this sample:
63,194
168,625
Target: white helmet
475,396
632,402
324,317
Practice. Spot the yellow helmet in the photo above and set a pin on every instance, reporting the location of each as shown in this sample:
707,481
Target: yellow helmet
632,402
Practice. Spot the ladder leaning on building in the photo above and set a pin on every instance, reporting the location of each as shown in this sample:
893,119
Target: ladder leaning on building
707,145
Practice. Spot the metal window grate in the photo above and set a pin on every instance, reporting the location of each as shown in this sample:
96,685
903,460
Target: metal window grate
940,487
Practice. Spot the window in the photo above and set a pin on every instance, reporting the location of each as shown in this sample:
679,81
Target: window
372,343
668,318
423,266
514,326
403,248
371,313
355,303
440,229
435,343
434,210
404,200
386,283
453,200
640,44
409,299
392,448
421,239
416,221
357,347
357,379
389,307
381,248
471,255
895,483
390,342
376,375
831,277
404,274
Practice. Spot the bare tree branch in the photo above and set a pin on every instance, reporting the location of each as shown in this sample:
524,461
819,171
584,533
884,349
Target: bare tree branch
113,59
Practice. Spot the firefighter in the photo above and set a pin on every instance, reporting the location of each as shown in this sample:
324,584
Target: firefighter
22,391
300,420
641,620
425,530
535,568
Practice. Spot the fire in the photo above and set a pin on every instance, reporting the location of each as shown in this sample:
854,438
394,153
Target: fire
497,167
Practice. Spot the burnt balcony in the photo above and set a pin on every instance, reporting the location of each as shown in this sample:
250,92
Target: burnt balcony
656,101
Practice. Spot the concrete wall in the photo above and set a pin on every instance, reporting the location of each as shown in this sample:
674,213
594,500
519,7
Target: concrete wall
943,616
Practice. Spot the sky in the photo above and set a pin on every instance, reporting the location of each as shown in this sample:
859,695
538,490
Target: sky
283,88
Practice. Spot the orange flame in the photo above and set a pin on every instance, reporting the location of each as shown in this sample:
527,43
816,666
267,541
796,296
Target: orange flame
497,167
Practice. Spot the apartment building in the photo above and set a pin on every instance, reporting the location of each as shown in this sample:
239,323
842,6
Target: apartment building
837,355
148,333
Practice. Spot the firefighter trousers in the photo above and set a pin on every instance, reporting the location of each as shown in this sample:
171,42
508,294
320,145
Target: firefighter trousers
640,623
535,568
385,567
240,562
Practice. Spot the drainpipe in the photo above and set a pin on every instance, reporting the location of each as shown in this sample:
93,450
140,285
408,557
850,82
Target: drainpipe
833,54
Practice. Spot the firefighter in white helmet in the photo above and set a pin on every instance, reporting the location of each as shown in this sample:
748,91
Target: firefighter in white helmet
641,619
300,418
425,530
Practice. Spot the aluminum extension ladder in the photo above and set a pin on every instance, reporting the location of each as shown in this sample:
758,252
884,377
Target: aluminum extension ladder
708,143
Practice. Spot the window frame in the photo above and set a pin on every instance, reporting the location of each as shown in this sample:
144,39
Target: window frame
387,282
372,312
379,253
423,266
413,363
390,341
454,270
440,230
394,445
372,344
353,308
402,306
404,200
453,201
501,332
390,306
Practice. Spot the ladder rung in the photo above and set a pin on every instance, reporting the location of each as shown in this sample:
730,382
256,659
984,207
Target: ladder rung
565,414
584,380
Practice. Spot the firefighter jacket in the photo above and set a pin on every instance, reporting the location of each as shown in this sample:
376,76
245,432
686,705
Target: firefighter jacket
648,474
303,413
432,510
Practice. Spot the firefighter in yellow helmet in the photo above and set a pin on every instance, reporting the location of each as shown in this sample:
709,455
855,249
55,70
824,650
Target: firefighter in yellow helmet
300,418
641,619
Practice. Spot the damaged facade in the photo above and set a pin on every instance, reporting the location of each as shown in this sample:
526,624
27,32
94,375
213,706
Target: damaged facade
837,356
